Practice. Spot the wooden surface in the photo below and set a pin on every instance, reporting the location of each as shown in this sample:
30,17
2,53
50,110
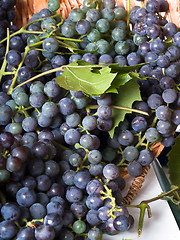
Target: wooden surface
26,8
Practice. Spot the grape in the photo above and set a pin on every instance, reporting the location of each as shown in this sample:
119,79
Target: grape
125,138
163,113
66,106
122,47
169,29
130,153
78,209
75,160
89,58
157,46
55,207
105,58
94,187
152,135
72,136
139,124
104,112
121,60
92,217
37,211
164,127
153,31
13,58
104,125
134,169
26,233
10,211
36,167
111,171
172,71
68,29
5,114
13,164
96,169
94,156
110,227
8,229
74,58
163,61
152,6
102,25
139,39
53,5
94,201
168,141
154,101
45,232
133,59
173,53
74,194
89,123
29,181
86,141
81,179
66,234
145,157
176,117
103,46
79,226
95,234
83,26
92,15
25,197
58,61
166,82
68,177
121,223
108,14
76,14
50,45
169,95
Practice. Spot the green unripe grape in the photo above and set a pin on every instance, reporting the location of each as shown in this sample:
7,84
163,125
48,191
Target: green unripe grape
122,47
120,13
79,227
109,154
53,5
94,35
91,3
139,39
32,39
15,128
76,14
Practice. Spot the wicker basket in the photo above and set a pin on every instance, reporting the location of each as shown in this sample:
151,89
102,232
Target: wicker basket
26,8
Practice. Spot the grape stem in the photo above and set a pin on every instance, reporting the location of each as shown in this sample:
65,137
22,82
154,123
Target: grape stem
128,13
120,108
145,205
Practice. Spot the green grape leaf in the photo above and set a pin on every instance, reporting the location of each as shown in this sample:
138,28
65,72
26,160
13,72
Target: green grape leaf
125,69
83,78
128,93
174,163
119,80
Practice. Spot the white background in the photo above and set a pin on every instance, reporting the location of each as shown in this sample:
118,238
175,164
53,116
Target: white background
161,226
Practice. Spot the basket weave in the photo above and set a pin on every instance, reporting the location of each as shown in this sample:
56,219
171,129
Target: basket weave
26,8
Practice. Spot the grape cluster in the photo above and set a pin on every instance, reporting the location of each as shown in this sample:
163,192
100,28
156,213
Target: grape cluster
59,169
